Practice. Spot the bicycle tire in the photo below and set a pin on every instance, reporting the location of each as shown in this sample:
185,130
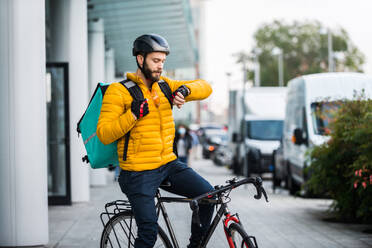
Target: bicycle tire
239,237
121,231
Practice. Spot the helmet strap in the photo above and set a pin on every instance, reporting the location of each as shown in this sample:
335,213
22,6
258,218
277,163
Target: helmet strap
143,64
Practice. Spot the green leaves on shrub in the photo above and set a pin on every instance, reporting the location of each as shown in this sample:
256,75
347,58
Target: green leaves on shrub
342,167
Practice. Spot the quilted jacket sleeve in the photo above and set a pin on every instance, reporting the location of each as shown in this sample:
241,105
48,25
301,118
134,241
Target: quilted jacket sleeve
199,89
116,118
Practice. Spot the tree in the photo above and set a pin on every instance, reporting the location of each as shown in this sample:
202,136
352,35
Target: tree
305,50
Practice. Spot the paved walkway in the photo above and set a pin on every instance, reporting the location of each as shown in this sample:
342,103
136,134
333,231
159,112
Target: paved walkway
285,221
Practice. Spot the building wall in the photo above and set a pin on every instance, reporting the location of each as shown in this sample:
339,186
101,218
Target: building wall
23,165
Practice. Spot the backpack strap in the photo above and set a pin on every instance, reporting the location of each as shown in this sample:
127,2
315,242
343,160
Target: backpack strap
164,86
137,95
134,90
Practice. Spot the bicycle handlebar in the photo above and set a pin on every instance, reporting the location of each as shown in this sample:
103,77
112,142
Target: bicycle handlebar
256,181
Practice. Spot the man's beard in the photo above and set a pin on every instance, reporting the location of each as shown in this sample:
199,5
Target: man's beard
148,74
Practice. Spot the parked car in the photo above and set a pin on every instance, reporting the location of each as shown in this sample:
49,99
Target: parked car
222,156
303,128
211,126
211,140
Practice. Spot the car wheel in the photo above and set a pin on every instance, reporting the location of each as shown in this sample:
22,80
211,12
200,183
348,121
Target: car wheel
246,169
276,181
292,186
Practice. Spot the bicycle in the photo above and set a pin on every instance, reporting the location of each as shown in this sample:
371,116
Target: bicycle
120,230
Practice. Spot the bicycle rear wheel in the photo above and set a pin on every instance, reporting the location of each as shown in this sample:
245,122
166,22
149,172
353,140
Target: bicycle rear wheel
121,231
239,237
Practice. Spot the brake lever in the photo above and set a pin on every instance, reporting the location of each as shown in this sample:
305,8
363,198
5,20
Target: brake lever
264,193
259,193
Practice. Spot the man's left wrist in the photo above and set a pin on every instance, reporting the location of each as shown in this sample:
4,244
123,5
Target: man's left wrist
187,89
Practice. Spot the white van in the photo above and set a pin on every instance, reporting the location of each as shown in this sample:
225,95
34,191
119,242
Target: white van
302,126
256,135
259,136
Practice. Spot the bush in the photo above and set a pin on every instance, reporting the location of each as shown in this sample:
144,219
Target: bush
342,167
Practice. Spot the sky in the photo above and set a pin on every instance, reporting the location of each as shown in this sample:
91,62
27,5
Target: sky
230,25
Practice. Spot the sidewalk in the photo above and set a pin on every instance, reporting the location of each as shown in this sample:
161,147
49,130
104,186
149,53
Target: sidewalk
285,221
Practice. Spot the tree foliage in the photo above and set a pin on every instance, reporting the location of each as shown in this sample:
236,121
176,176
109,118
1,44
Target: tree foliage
305,50
342,167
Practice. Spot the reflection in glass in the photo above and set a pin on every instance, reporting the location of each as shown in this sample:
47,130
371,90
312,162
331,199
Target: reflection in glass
323,113
56,134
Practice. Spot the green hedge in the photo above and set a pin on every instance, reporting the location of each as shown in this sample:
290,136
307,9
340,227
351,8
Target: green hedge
342,167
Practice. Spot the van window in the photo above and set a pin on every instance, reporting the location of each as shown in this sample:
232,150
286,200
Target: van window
265,129
323,113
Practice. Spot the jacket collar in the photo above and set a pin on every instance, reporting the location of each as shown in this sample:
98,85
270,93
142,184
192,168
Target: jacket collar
135,78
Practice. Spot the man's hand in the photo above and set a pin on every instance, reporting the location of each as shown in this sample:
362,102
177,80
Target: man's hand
179,95
179,100
140,108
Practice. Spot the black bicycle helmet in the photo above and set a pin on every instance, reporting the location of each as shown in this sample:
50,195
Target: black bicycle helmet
149,43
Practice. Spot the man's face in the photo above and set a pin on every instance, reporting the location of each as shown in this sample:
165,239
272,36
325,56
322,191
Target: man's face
153,66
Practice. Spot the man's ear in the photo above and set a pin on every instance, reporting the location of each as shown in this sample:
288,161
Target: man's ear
140,60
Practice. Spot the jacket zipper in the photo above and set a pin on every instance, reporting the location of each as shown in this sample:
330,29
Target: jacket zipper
161,129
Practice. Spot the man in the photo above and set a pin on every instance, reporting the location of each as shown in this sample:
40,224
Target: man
147,157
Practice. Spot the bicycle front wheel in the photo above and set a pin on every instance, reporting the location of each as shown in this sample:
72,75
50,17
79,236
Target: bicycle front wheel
239,237
121,231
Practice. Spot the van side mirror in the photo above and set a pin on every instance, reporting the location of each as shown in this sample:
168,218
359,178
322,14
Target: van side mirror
297,137
236,138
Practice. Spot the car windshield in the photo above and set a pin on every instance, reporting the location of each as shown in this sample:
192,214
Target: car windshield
217,136
265,129
323,113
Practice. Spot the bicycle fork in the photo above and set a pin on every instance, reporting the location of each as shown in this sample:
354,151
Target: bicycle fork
226,221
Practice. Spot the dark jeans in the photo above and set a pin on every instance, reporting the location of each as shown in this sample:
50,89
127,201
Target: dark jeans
140,188
183,159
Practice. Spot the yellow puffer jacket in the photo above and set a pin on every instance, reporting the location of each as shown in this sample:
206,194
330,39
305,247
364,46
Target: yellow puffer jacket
151,137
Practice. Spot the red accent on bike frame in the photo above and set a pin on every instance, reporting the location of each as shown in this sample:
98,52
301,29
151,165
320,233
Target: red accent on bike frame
225,223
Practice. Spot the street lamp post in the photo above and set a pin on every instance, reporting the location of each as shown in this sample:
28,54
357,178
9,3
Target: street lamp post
245,79
330,51
256,53
327,31
280,65
228,75
279,52
245,76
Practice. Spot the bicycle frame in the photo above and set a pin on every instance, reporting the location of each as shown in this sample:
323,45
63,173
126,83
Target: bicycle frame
222,211
222,198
